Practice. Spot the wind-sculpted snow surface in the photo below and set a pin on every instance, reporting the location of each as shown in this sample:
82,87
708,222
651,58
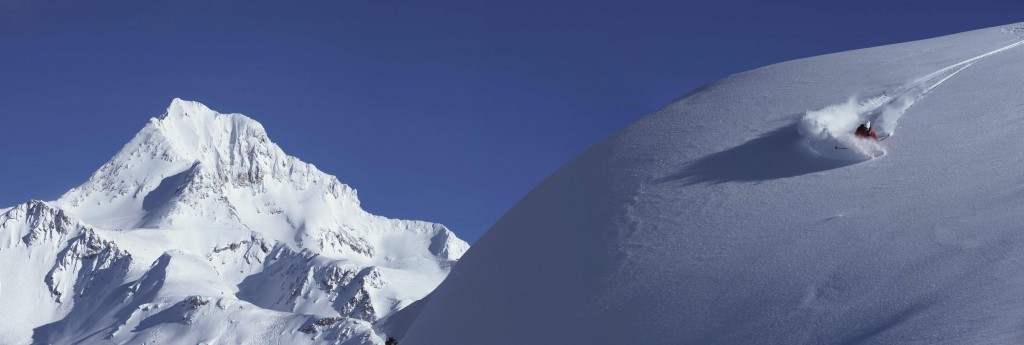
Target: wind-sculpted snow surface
713,221
201,230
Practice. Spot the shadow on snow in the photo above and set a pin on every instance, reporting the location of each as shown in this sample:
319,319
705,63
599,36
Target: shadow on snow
777,154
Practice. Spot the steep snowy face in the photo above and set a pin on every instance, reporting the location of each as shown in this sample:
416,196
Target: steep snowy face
202,228
52,263
737,215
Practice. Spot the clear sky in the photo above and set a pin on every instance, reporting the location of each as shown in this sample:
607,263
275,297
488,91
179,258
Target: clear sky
447,111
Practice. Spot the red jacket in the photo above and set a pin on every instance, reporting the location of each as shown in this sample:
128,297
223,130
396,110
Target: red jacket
864,132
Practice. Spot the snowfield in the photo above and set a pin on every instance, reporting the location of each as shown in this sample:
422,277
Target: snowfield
730,217
201,230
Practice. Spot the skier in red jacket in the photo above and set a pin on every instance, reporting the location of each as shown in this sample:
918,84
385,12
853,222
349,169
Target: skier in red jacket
865,131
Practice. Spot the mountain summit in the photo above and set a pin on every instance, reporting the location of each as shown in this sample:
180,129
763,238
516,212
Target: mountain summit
201,229
194,160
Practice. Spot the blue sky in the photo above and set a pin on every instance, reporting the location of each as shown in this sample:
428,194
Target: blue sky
444,111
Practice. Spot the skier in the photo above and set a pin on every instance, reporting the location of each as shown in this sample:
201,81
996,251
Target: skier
865,131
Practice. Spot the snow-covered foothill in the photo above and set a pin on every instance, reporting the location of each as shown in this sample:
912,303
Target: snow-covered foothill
202,230
728,217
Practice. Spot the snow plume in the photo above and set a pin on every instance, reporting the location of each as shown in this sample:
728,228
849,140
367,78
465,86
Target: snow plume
831,122
830,131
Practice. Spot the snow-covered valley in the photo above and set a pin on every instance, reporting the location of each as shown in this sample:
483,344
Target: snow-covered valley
201,230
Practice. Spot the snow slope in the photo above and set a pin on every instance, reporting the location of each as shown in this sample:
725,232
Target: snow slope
729,217
202,230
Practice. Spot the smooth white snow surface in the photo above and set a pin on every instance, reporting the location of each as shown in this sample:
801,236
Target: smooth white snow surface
201,230
729,217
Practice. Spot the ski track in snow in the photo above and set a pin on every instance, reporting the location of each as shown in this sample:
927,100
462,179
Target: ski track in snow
829,131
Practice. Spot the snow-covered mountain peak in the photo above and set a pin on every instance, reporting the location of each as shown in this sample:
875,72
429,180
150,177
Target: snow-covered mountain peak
201,221
195,131
193,157
180,107
196,168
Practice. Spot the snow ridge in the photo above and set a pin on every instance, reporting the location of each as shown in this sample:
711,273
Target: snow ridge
710,221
